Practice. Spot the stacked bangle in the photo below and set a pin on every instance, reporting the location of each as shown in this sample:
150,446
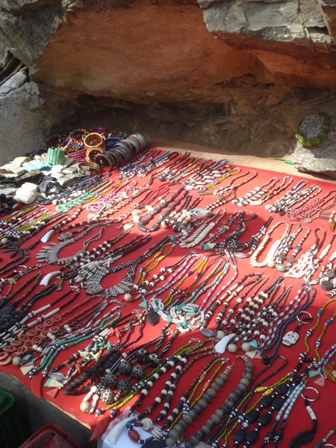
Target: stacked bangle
94,144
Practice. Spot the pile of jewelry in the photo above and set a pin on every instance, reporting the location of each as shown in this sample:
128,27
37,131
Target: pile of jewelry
168,292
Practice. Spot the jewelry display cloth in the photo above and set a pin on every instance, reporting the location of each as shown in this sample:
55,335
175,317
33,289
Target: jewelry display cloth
312,233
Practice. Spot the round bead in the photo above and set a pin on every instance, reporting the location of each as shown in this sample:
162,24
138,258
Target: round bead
16,361
193,414
203,403
170,442
244,382
212,392
195,439
220,334
219,413
174,434
205,430
188,419
84,406
232,348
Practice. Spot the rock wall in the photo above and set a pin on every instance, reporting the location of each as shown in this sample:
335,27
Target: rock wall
230,74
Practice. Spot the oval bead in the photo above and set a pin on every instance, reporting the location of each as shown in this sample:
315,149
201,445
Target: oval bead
133,435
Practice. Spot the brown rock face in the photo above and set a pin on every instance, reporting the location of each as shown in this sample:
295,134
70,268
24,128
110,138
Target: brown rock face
237,76
146,53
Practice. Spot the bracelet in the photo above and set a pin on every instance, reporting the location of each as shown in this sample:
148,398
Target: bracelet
94,140
55,156
88,168
91,153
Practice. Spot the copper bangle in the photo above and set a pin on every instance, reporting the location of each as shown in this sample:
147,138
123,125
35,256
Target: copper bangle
94,140
92,153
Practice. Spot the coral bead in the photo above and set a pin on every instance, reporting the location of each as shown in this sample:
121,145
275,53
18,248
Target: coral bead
134,435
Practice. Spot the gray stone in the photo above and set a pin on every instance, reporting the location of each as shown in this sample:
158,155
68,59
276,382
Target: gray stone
13,83
319,159
22,121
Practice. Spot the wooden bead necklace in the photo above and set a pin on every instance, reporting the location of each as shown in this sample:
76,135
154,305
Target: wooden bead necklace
174,435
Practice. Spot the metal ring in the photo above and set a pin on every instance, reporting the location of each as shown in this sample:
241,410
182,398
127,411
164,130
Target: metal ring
304,321
310,388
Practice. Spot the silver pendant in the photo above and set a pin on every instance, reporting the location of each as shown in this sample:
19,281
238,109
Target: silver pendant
290,338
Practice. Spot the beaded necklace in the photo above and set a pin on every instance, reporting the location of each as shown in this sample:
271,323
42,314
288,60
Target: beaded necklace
240,414
96,329
305,266
177,290
217,177
27,334
293,196
213,170
256,193
171,202
327,274
185,403
62,224
202,231
283,248
49,254
181,217
308,210
272,192
273,249
309,332
112,384
231,187
230,245
39,336
174,272
194,168
180,360
91,274
83,197
183,161
310,294
175,435
126,284
246,307
283,257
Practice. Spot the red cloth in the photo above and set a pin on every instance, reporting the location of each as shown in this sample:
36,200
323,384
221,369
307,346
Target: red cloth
298,419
